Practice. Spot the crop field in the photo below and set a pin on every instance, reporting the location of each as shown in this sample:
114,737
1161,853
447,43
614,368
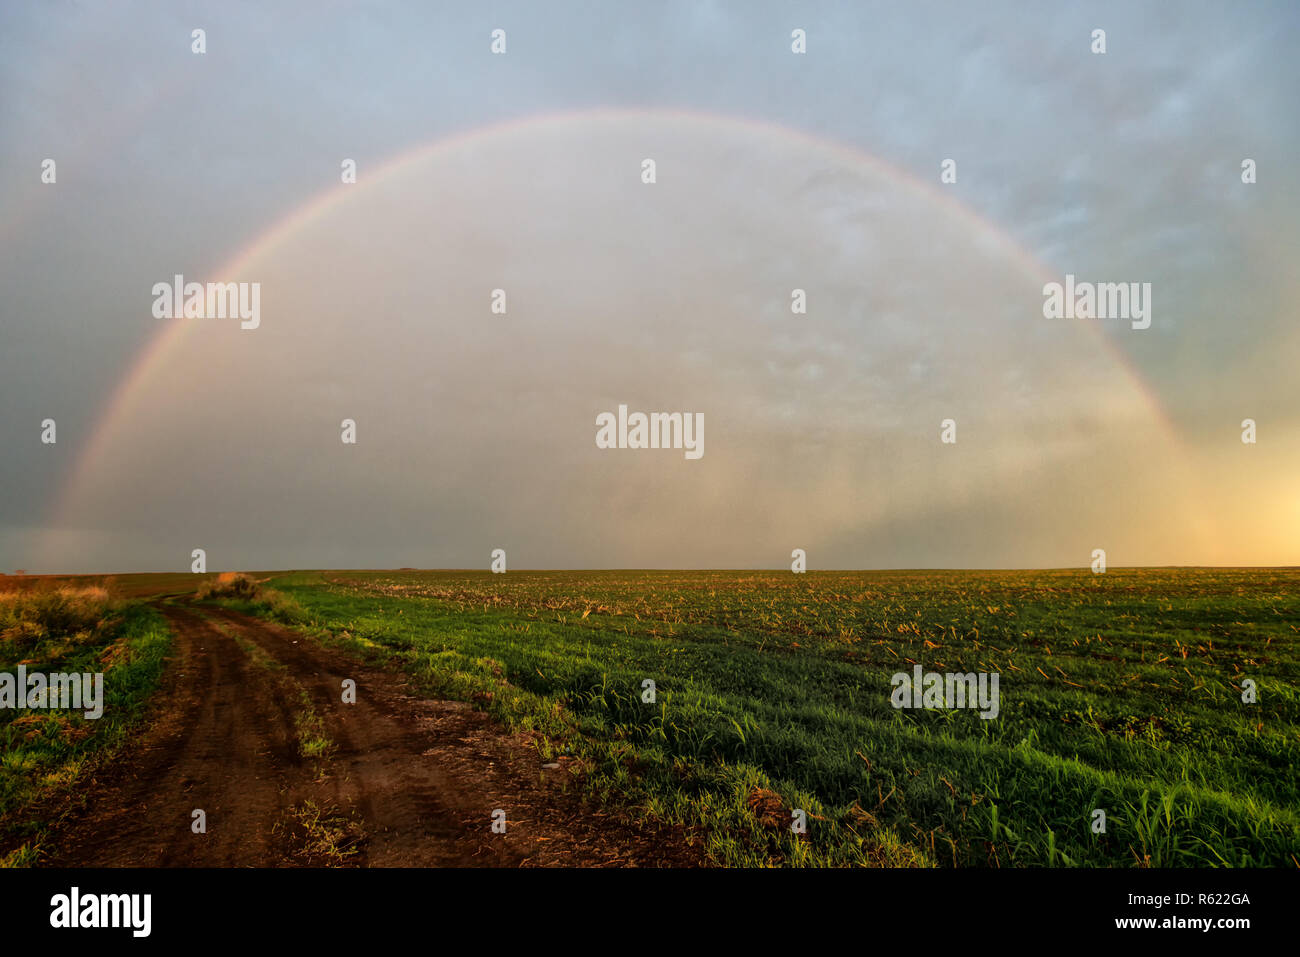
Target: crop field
1127,693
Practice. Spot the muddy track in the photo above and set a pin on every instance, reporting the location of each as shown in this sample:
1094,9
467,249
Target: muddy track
403,781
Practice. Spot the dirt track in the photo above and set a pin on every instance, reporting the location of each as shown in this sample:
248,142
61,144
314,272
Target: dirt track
407,782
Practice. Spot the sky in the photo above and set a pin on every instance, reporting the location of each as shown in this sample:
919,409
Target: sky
524,171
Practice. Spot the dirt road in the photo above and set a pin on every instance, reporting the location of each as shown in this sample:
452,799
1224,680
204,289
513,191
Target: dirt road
392,780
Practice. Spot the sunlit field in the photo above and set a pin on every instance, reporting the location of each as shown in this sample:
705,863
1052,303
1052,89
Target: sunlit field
1120,693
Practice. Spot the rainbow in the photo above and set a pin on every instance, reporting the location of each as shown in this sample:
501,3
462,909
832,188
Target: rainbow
156,352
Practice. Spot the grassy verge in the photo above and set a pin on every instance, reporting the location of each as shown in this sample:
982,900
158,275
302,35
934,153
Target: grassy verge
44,752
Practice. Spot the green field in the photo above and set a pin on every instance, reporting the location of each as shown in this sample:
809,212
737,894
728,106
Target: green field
1120,692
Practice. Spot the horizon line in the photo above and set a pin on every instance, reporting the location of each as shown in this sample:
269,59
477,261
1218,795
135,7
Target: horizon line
652,568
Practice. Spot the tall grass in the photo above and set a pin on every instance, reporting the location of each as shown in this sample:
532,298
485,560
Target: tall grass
234,585
244,593
51,618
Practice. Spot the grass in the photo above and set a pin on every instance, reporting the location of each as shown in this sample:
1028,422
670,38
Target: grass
1120,692
234,585
325,836
63,628
245,593
313,741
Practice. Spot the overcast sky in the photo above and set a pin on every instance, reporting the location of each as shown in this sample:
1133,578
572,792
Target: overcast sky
523,172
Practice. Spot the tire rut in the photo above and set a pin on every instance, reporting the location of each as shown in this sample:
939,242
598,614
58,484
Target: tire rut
219,745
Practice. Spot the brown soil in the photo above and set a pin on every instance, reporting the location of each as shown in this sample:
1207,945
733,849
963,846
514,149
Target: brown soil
409,782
